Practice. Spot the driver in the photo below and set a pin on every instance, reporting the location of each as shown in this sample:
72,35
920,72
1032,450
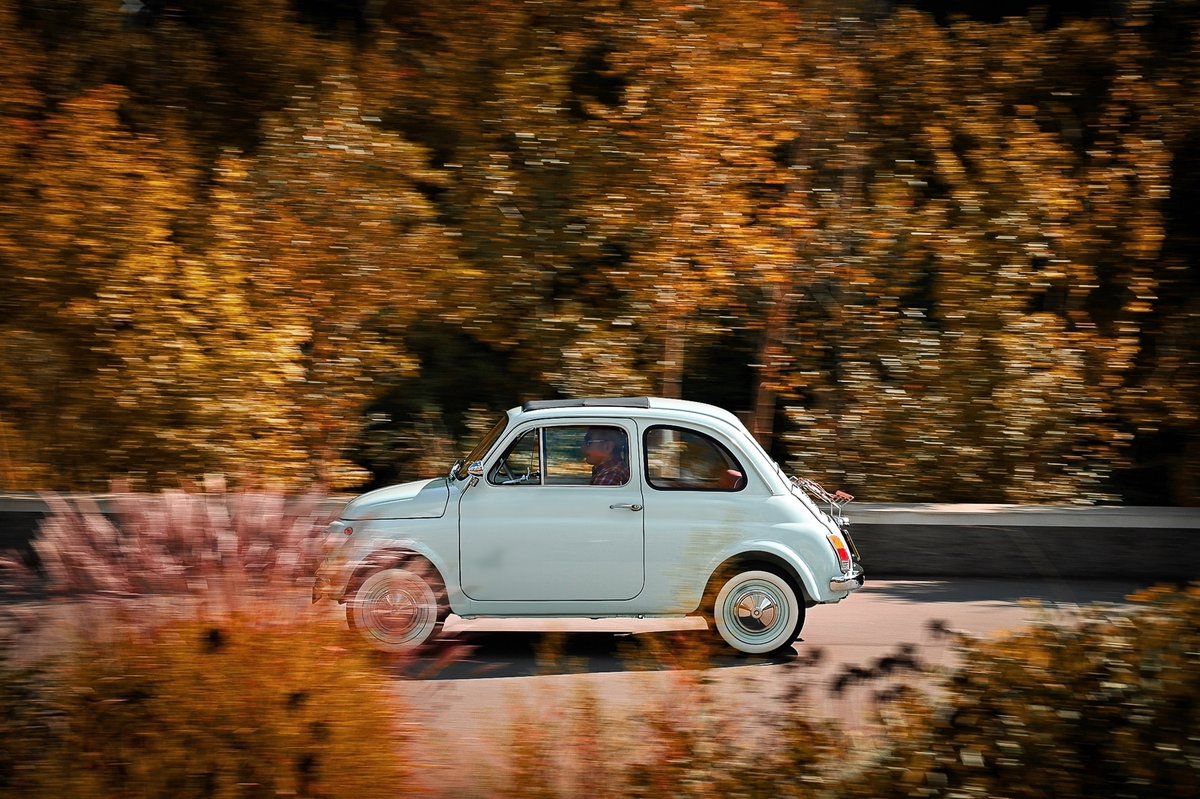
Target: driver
604,449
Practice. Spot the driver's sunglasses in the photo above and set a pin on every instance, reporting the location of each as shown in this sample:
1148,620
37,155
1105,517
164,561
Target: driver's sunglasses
591,442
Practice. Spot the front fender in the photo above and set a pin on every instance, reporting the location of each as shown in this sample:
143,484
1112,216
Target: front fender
380,560
344,578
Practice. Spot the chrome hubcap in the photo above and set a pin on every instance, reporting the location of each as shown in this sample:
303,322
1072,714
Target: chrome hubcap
395,611
756,610
400,609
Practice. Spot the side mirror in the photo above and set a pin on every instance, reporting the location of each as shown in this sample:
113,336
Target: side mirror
475,469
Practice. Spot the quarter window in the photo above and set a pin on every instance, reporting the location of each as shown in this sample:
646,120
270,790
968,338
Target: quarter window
520,464
678,459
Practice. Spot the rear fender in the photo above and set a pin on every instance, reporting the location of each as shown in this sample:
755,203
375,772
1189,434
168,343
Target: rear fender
778,558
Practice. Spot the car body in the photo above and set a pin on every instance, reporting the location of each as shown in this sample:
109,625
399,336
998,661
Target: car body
691,516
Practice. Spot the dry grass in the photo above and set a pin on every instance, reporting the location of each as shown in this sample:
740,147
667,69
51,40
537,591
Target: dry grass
174,654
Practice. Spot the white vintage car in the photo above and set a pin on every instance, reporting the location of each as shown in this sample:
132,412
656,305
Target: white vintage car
592,508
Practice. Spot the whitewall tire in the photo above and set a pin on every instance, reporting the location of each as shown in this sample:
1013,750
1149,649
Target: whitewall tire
398,609
758,612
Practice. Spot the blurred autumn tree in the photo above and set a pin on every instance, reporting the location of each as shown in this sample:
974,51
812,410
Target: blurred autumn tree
323,245
927,257
969,330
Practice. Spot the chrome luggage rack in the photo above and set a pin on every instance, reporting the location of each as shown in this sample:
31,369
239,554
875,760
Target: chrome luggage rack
837,500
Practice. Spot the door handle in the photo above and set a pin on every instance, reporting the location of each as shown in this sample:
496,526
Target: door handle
625,506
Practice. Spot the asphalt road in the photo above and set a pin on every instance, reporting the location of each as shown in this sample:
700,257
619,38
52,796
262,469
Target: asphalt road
469,711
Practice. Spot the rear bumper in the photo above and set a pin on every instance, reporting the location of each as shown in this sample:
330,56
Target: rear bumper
852,581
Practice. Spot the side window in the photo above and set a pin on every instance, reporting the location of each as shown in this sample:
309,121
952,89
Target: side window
520,465
685,460
587,455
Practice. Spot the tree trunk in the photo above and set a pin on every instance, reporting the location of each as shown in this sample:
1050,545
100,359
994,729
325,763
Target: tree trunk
672,377
770,362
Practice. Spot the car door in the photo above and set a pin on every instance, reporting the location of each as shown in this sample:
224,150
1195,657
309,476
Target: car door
698,502
536,528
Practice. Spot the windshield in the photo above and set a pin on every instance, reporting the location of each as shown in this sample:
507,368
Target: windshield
481,448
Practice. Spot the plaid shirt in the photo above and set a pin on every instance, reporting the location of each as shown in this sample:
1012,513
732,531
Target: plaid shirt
610,473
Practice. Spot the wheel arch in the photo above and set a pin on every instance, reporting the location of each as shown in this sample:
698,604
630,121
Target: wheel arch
386,559
791,570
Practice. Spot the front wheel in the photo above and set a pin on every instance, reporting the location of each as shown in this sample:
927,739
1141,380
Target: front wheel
758,612
398,609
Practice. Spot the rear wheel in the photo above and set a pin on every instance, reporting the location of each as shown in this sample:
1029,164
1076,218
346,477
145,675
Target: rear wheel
757,612
398,609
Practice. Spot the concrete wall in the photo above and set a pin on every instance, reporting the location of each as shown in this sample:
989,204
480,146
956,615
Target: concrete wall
939,541
1027,542
19,519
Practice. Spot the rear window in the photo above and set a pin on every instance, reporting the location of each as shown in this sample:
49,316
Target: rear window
679,459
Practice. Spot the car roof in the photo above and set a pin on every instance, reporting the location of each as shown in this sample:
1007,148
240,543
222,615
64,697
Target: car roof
669,406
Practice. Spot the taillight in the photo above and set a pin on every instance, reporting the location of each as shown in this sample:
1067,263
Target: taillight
843,552
348,531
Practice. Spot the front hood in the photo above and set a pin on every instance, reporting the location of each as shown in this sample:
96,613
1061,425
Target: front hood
422,499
